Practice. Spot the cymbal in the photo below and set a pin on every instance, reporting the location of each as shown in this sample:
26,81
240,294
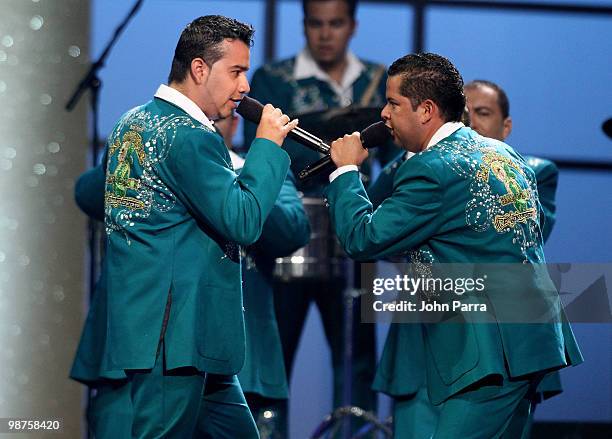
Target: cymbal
336,122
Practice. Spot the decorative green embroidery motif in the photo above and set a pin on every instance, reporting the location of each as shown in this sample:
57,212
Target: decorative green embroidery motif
503,194
138,144
128,150
506,171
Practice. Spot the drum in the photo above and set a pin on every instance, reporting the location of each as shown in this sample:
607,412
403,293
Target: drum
322,258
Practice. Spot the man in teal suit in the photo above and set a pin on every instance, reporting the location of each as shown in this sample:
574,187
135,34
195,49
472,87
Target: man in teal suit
176,215
415,415
462,198
109,411
263,377
324,75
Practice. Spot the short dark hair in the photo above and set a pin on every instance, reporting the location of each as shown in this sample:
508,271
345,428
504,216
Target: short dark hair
352,6
202,38
502,97
431,76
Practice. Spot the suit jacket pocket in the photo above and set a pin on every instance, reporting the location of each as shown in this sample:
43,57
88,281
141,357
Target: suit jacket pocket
220,325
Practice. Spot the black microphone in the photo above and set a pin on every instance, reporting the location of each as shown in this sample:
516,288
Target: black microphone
607,127
373,136
251,110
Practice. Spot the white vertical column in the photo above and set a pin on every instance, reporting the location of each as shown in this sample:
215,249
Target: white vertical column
43,53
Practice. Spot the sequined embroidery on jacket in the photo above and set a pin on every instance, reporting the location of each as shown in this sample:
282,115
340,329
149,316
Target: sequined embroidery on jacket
505,171
137,144
421,262
503,192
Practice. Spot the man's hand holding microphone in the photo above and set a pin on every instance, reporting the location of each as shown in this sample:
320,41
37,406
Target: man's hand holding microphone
348,150
274,125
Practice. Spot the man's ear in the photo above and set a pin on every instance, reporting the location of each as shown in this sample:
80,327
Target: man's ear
427,109
199,70
507,127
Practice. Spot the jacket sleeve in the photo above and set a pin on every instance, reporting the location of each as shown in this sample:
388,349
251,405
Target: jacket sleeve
89,191
234,206
547,178
287,228
382,187
409,217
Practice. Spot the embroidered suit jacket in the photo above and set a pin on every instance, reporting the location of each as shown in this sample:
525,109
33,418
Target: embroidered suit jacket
401,369
467,199
176,214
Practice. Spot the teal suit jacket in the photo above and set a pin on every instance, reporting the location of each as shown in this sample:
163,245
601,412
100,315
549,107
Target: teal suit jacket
176,214
446,207
286,229
547,177
401,370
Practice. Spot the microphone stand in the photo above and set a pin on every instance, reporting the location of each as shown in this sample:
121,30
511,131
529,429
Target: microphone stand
92,82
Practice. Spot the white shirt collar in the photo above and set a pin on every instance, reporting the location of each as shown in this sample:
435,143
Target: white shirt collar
306,67
177,98
443,132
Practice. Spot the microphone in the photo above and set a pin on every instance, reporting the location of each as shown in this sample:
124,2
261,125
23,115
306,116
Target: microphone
251,110
373,136
607,127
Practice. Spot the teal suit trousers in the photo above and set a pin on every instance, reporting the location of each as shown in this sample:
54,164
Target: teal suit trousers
494,408
181,403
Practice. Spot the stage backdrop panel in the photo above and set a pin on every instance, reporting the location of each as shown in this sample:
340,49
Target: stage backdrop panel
43,53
